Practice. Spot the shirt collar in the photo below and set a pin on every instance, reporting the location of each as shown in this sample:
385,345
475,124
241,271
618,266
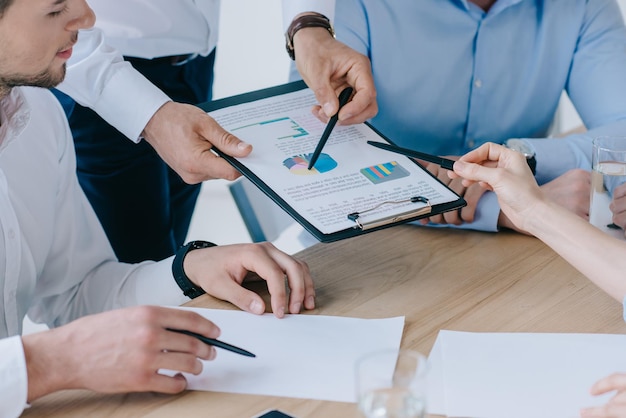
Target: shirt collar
14,116
498,6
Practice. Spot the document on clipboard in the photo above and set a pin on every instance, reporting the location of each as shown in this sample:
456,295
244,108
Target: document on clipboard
353,188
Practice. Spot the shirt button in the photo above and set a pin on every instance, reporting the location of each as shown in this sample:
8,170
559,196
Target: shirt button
471,143
478,83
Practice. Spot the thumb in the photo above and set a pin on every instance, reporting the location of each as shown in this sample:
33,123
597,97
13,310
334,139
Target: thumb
471,171
327,98
224,140
239,296
461,168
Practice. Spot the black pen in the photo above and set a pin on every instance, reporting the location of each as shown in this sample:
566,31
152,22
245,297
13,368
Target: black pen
214,342
344,96
443,162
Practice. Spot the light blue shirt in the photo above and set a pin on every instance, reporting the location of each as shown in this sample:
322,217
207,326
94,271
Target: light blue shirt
450,76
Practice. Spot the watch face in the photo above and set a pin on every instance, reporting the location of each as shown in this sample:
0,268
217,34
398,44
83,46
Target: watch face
521,146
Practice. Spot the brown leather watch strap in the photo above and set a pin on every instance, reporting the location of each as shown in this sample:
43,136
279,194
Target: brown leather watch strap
310,20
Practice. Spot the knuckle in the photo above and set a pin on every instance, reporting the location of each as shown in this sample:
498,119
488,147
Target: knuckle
177,386
303,265
144,314
142,381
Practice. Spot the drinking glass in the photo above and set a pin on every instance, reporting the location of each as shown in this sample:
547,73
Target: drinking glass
608,163
392,384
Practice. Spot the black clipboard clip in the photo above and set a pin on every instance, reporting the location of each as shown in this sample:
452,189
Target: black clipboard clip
356,216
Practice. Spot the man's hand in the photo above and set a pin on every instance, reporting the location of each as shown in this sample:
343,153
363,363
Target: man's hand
183,136
471,194
328,66
616,406
118,351
220,271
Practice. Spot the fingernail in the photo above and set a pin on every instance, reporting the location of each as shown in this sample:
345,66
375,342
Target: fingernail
281,311
255,307
243,145
346,116
296,308
328,109
459,165
311,302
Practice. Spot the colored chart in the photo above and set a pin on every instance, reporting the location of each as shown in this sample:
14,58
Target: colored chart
280,128
384,172
298,164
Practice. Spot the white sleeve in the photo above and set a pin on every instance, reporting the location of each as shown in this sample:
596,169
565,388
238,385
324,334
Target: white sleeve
99,78
81,275
13,377
292,8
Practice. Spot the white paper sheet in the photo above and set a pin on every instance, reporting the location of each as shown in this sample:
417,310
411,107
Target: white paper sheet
299,356
520,374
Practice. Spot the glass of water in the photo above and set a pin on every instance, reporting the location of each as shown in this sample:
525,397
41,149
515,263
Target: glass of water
608,163
392,384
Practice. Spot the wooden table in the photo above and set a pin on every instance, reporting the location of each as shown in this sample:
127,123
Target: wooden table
437,278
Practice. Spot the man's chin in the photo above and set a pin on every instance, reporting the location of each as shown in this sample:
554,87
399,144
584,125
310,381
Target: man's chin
47,79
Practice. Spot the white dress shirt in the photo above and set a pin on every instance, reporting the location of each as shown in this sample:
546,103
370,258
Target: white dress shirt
158,28
98,78
56,263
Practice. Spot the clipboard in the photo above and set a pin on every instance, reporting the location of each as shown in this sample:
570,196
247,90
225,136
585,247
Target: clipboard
353,189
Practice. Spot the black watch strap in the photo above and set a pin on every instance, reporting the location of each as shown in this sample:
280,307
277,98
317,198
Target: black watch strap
532,163
187,286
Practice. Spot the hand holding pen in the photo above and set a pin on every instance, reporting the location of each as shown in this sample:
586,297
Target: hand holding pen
214,342
344,96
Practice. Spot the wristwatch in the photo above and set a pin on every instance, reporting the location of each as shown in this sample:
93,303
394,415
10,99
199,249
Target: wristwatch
519,145
309,20
186,285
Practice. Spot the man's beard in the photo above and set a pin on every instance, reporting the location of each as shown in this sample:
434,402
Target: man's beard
45,79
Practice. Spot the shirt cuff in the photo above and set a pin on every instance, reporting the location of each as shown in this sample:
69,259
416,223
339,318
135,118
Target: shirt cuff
485,219
130,113
13,377
155,284
292,8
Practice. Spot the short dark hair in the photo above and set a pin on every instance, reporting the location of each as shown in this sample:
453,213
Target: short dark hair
4,5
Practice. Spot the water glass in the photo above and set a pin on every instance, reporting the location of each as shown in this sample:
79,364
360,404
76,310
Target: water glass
392,384
608,163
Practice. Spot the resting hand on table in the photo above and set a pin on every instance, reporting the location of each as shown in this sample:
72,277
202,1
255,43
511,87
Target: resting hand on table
328,66
616,407
220,271
118,351
183,136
